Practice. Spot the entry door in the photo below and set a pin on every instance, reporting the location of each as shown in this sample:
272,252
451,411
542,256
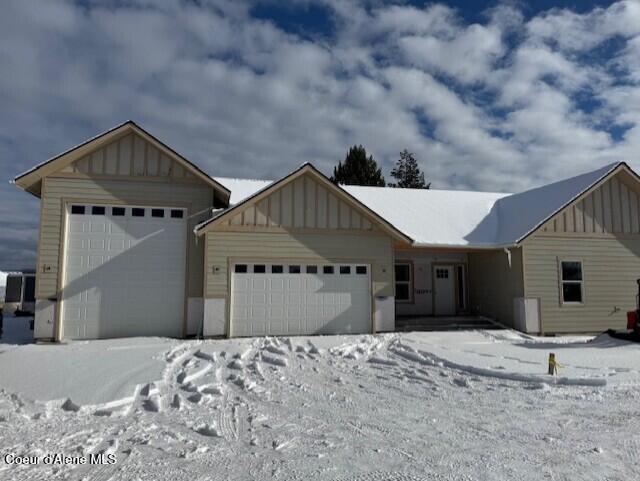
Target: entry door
298,299
124,271
444,290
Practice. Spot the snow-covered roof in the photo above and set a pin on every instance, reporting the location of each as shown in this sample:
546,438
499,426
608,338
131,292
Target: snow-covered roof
454,218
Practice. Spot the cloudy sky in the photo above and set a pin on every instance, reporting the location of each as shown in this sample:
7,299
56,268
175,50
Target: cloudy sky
495,96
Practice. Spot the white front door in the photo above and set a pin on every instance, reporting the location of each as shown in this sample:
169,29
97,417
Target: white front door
124,271
444,290
302,298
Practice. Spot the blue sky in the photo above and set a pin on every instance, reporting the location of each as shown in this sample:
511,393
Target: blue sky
497,96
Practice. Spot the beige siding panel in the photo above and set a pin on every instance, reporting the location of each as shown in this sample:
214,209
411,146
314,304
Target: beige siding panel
625,210
236,219
138,155
298,203
569,224
345,215
97,162
262,212
493,284
610,269
579,216
111,159
153,161
333,212
606,207
374,248
275,208
310,203
165,165
616,208
249,216
366,224
177,171
125,155
130,192
588,214
82,165
633,212
356,220
322,207
286,207
597,208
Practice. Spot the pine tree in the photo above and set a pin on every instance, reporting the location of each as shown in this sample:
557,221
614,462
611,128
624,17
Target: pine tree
358,169
407,173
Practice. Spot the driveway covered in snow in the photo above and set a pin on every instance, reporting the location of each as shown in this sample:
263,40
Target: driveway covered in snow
461,405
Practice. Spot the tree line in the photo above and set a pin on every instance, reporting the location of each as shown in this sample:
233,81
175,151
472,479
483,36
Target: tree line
360,169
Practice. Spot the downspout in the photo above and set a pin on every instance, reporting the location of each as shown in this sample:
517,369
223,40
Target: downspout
508,252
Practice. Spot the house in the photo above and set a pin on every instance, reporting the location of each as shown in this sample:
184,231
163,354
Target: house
19,292
137,240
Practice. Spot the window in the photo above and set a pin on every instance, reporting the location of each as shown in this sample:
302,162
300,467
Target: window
157,212
345,269
137,212
442,273
240,268
117,211
571,282
176,213
327,269
404,281
77,209
361,270
277,269
294,269
312,269
97,210
259,269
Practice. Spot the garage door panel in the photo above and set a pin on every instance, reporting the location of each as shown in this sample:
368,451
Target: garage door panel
291,303
123,276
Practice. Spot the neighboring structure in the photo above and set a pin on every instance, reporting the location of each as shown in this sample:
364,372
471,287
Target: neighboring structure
19,292
117,255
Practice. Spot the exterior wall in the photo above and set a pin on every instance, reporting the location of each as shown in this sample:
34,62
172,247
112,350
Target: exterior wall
57,190
610,266
493,285
611,208
422,260
224,247
302,204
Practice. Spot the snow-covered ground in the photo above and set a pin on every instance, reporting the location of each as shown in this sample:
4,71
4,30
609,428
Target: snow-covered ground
471,405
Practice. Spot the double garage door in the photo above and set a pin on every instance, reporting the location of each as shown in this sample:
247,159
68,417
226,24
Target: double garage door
300,298
124,271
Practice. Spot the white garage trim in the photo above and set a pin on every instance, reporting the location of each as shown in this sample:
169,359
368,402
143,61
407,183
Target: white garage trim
307,324
88,203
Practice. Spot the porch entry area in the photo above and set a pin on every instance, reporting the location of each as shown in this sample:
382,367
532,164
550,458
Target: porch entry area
431,291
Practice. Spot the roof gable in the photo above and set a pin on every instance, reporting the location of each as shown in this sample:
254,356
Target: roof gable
128,136
301,185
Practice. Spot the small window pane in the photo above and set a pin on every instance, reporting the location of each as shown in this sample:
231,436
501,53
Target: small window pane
77,209
117,211
345,269
157,212
259,269
571,292
327,269
137,212
361,269
294,269
402,292
97,210
402,272
240,268
277,269
312,269
176,213
571,271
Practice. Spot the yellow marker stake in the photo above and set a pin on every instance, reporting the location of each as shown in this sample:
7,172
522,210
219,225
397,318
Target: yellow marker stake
553,365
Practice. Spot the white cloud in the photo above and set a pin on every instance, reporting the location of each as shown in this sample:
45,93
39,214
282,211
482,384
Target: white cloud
501,104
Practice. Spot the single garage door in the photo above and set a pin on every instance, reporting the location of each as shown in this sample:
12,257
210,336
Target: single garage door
299,299
124,271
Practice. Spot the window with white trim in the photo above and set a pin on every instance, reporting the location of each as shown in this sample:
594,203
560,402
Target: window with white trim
571,282
404,281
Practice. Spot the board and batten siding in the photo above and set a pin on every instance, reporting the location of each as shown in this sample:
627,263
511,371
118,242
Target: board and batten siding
222,247
603,231
302,203
494,284
58,190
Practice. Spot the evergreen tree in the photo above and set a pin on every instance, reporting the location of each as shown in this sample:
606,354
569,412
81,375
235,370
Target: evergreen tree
407,173
358,169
